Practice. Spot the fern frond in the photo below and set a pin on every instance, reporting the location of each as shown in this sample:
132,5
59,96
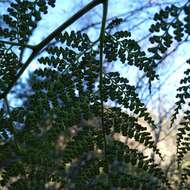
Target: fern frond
78,40
183,95
117,89
168,27
183,139
183,130
185,174
9,65
121,46
23,18
117,121
136,159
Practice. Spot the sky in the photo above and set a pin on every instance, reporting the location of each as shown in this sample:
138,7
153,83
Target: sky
64,9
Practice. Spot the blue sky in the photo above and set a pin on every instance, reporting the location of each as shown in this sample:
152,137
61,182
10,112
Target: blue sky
65,9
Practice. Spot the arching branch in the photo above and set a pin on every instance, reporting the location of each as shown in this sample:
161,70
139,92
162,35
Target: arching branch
49,38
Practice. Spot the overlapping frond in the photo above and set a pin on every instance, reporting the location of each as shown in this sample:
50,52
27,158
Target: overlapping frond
55,136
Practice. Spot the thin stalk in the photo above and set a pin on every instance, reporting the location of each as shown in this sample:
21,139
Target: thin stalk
102,37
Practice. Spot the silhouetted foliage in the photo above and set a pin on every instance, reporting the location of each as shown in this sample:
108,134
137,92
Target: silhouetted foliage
69,89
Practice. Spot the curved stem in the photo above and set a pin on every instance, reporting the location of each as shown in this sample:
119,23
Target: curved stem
49,38
70,21
102,36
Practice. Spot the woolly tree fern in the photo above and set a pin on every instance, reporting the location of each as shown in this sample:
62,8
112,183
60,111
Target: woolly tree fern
71,88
